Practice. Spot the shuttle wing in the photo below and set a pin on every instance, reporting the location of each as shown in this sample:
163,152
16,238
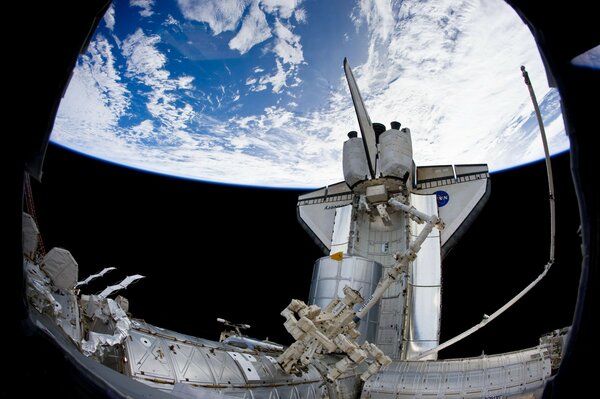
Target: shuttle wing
461,190
316,211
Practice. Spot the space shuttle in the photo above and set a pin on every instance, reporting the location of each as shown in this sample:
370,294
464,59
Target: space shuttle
362,225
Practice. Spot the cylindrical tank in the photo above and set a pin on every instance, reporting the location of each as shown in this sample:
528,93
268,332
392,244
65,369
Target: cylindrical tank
331,276
395,153
355,161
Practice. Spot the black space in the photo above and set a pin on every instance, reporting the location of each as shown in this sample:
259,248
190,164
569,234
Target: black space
239,253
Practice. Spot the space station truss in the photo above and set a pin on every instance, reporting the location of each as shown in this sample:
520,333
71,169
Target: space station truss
496,376
193,367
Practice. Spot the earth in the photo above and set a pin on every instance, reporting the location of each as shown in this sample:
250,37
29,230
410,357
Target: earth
252,92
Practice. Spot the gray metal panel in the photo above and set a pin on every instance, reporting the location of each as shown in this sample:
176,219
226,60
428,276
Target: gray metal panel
354,162
151,357
142,326
190,365
148,358
374,240
103,380
163,359
324,291
437,172
425,285
347,388
61,267
312,390
246,363
395,153
366,127
505,375
391,320
341,229
31,235
424,324
464,170
331,276
426,269
69,319
330,191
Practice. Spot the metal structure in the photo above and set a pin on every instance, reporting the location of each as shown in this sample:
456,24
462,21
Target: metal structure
399,215
330,276
505,375
371,327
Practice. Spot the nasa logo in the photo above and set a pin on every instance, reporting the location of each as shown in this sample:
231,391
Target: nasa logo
442,198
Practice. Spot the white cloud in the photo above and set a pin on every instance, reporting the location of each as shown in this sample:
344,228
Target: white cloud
258,87
225,15
283,8
185,82
96,97
220,15
171,21
147,65
301,16
379,16
254,30
287,46
144,61
451,69
145,5
109,17
143,130
277,80
288,54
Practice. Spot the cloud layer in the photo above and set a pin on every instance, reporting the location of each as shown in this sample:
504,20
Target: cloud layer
449,70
